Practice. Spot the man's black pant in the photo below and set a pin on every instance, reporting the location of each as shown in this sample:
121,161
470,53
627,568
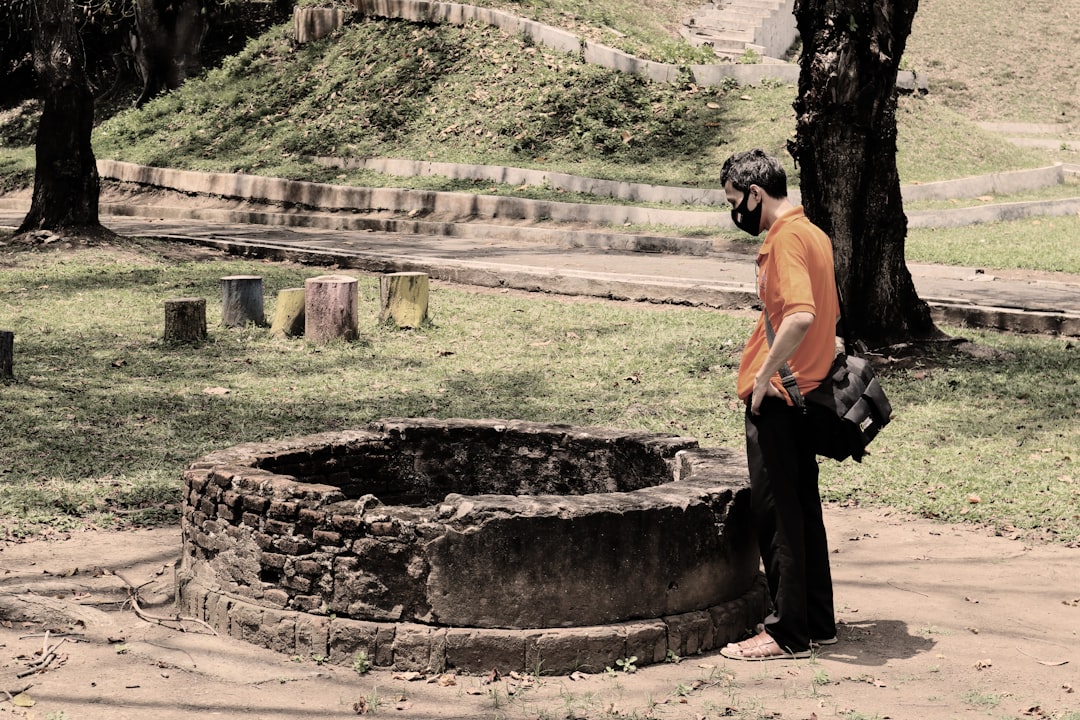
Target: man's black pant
789,524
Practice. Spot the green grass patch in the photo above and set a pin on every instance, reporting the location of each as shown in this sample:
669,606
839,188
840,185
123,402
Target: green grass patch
477,95
104,415
1043,243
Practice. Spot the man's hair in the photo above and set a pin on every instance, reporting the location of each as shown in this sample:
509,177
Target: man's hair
755,167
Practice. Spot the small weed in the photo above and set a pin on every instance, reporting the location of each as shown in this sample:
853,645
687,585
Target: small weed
627,664
978,699
671,657
361,663
820,678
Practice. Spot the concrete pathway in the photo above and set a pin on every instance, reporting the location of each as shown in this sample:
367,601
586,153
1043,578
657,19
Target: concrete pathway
588,263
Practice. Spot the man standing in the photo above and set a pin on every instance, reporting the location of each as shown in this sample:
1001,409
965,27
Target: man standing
797,287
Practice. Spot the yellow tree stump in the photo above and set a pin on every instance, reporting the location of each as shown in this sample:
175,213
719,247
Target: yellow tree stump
185,320
242,300
7,355
331,308
404,298
288,313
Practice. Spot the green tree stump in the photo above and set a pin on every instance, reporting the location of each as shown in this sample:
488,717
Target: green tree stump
404,298
288,313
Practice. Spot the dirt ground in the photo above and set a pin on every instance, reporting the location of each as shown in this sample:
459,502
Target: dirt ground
937,621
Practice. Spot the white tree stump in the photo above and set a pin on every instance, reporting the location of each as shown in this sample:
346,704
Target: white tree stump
7,355
185,320
242,300
404,297
331,308
288,313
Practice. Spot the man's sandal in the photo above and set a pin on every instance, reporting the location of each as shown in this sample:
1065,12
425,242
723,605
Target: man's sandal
761,647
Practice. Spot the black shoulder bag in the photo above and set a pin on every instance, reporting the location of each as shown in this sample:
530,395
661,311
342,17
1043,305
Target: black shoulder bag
847,410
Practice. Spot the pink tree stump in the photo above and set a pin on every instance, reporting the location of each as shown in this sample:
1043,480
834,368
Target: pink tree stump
331,308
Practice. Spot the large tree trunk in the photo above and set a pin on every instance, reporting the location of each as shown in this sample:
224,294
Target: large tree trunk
845,145
167,43
66,182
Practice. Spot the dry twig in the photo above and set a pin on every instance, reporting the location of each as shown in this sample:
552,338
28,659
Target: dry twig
133,598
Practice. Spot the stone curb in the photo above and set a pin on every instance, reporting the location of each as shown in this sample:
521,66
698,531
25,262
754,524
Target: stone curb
410,647
464,206
1004,183
449,205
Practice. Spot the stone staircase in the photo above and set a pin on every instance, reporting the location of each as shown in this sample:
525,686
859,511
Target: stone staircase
733,28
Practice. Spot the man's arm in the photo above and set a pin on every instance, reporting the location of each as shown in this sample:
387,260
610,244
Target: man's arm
791,332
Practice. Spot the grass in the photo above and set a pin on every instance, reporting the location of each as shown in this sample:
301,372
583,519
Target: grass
104,416
1045,243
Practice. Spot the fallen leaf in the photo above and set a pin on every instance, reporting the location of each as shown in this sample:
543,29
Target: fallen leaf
578,675
410,676
23,700
360,706
973,631
984,664
1053,663
447,680
712,106
974,499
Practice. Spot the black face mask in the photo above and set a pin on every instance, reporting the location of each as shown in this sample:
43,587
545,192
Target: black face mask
749,221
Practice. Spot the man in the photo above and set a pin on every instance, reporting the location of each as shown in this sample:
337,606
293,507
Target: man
797,287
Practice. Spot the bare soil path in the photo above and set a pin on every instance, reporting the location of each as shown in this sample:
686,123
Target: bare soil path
937,622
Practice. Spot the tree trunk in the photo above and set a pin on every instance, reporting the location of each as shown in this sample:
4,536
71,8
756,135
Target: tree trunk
185,320
845,146
331,308
7,355
66,182
167,43
404,299
242,300
288,313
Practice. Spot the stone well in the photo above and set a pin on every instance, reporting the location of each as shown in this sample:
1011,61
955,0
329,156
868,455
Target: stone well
473,545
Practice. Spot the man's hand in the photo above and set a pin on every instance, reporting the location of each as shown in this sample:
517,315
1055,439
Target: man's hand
763,388
791,332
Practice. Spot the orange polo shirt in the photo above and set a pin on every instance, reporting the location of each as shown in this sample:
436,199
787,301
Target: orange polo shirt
795,274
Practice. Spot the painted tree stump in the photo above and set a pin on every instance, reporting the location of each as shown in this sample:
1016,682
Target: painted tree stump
7,355
331,308
404,297
288,313
242,300
185,320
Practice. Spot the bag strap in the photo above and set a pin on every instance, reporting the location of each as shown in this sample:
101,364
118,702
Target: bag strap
787,378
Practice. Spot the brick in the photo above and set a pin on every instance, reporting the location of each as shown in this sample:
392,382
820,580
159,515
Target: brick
310,516
348,637
273,560
298,583
326,537
647,641
278,527
309,568
255,503
312,636
412,647
276,597
283,510
481,651
560,651
252,520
